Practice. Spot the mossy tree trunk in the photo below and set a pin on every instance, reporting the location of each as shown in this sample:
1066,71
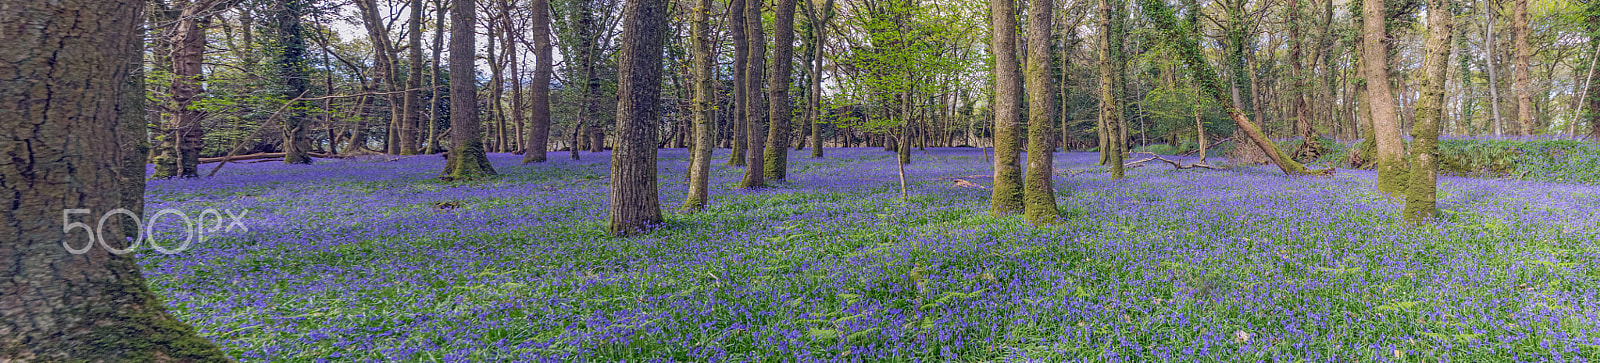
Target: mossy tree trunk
1039,190
1006,197
635,203
1390,148
467,158
1520,85
291,65
1421,191
704,112
1111,132
65,109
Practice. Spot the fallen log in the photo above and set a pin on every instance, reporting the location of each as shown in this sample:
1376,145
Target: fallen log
1154,157
258,156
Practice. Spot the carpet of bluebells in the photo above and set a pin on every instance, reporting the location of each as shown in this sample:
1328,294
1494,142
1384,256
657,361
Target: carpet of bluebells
370,260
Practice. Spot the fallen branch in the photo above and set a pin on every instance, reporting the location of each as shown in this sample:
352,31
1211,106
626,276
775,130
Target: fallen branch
258,156
1174,164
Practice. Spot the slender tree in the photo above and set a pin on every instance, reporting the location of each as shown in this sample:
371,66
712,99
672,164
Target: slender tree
412,120
67,66
635,204
1421,191
467,158
438,75
1111,133
755,106
741,60
1591,101
1006,197
539,120
777,150
818,19
1390,149
1039,191
704,112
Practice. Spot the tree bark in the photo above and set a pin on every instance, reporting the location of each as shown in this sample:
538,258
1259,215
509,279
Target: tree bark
1039,192
383,68
634,201
1421,191
1489,67
412,120
438,47
741,59
776,165
539,121
66,114
188,48
1520,86
1390,148
290,63
755,106
1006,196
467,159
1111,130
704,113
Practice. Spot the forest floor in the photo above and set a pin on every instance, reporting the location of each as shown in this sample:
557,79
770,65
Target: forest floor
380,261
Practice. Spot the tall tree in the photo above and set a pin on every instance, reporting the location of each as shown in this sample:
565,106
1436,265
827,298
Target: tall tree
1591,102
290,62
188,55
467,157
1489,67
1390,149
539,120
818,20
777,152
438,75
1006,196
1039,192
635,203
704,112
755,108
1421,191
1519,68
1112,146
63,109
412,120
384,70
741,60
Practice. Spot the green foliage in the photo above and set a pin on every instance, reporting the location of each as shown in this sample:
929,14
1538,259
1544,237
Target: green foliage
1565,161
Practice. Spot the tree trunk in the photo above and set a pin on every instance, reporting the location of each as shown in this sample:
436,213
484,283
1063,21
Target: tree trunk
776,165
1390,148
539,122
1520,87
1591,101
188,53
509,35
704,112
1421,191
1039,192
412,120
1006,196
69,121
467,159
1110,84
635,205
383,67
433,108
755,108
290,62
741,92
1489,67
